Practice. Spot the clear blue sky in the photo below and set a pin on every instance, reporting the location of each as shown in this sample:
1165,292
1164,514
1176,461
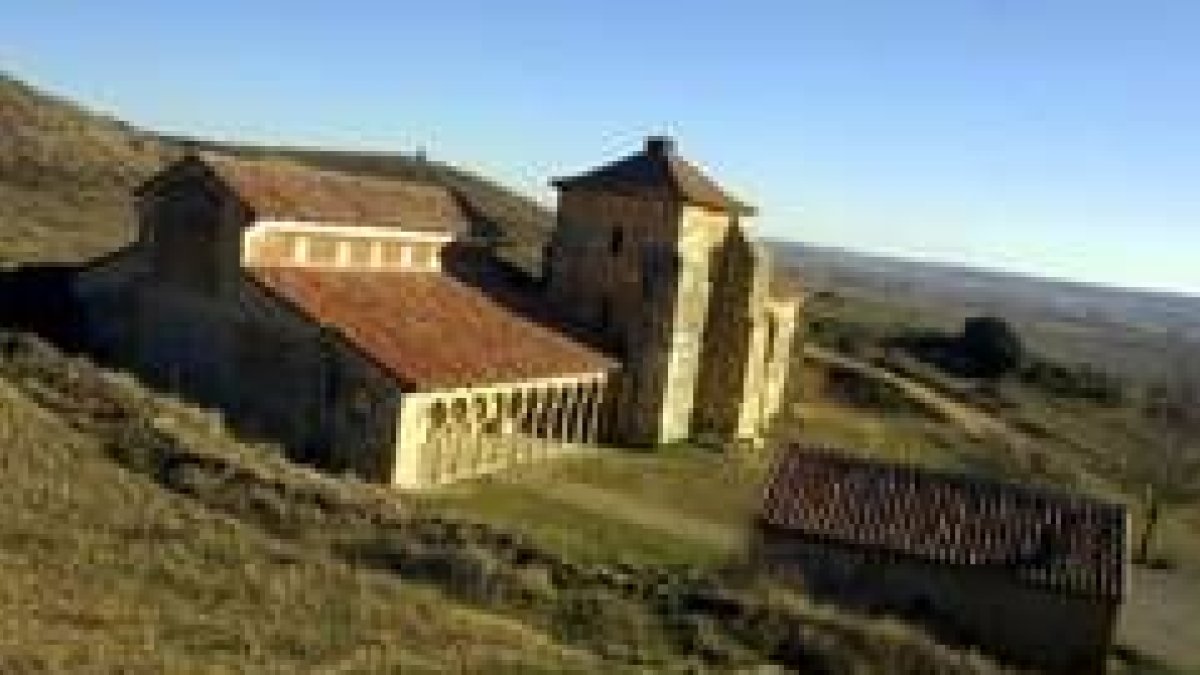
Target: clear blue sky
1055,137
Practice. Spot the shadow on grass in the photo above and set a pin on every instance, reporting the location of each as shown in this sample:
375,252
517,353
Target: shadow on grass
1129,661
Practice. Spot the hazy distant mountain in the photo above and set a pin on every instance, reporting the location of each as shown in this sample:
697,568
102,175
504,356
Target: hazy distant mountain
1120,328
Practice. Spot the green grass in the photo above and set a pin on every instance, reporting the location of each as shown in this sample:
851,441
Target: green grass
522,503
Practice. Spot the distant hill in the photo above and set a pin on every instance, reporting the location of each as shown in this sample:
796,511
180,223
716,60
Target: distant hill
1133,331
66,174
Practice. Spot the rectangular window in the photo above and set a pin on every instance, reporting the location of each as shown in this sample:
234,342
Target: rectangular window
391,253
418,256
360,253
322,251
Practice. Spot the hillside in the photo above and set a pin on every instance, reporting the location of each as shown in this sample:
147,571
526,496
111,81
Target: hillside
180,548
66,176
185,550
1137,333
147,580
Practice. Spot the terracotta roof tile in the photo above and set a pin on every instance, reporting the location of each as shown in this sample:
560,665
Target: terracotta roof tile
282,189
657,166
1065,542
431,331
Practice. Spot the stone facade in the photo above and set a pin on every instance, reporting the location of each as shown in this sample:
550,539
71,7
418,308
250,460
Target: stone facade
188,307
336,316
1020,623
1031,576
679,291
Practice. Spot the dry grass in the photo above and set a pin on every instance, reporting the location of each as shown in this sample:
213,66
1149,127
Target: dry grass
178,548
105,571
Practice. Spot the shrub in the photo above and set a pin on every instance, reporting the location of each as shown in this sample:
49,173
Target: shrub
991,346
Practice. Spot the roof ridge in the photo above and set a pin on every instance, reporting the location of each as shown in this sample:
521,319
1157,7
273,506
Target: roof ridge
301,166
283,187
846,455
658,165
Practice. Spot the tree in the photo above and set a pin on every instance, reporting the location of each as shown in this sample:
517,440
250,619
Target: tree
1166,473
991,346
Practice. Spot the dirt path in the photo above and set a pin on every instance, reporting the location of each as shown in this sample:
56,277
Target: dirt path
618,506
974,422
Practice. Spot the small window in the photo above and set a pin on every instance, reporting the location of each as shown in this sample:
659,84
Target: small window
617,241
605,316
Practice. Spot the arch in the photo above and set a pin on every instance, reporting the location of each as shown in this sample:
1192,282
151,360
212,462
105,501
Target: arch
438,414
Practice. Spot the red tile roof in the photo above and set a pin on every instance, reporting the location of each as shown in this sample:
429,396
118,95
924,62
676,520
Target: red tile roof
1065,542
282,189
431,331
658,167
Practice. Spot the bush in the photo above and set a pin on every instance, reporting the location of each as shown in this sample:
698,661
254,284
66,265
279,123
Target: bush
991,346
1075,381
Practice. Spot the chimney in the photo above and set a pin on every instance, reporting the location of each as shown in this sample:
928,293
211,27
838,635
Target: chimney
660,146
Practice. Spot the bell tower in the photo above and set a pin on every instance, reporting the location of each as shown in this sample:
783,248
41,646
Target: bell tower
634,256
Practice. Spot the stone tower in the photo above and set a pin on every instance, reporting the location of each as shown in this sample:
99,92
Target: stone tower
653,256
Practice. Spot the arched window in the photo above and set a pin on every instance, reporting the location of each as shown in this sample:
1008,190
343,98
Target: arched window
616,241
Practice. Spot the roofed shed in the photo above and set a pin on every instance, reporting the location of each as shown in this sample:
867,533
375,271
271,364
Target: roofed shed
1031,575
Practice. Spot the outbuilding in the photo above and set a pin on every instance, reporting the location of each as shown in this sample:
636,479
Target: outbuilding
1031,575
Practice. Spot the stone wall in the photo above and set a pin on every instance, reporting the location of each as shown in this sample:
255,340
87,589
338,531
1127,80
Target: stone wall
783,317
732,337
683,295
703,235
984,607
206,331
614,265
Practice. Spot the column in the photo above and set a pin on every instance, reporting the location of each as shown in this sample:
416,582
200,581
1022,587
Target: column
481,417
412,442
600,403
459,434
300,250
545,417
580,424
528,423
437,443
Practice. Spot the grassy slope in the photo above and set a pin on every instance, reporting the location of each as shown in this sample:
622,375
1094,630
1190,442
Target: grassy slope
103,570
1161,623
65,177
195,551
